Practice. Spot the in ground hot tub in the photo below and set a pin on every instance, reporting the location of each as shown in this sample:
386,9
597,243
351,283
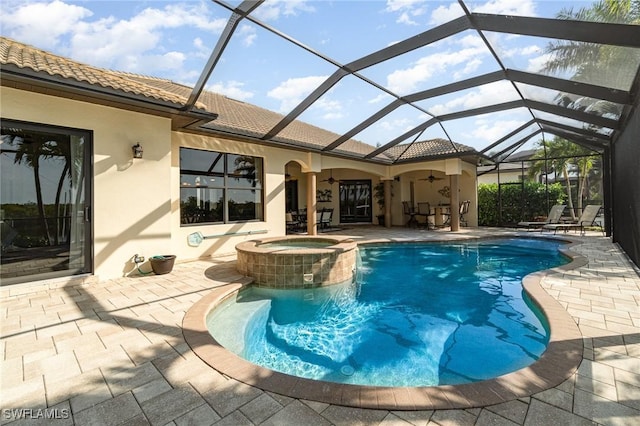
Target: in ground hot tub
297,261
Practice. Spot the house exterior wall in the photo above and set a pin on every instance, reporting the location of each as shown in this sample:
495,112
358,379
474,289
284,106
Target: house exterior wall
505,176
136,202
131,210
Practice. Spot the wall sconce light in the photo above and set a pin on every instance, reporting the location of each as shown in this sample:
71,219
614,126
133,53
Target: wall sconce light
137,150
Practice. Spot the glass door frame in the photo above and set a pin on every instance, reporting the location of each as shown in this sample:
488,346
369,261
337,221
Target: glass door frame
355,218
83,213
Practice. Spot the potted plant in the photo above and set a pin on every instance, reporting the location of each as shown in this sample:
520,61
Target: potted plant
378,194
162,264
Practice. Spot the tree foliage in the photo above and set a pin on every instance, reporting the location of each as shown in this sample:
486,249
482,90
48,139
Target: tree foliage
560,158
519,202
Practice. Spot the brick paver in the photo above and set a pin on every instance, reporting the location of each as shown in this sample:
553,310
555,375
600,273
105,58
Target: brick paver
112,352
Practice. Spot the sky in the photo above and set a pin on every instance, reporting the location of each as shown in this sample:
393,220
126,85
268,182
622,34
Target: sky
174,39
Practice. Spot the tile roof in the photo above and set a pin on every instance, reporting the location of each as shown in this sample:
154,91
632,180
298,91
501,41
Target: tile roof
235,117
28,57
428,148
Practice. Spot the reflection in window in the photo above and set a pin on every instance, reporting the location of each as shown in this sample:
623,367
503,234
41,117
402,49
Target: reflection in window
43,209
217,187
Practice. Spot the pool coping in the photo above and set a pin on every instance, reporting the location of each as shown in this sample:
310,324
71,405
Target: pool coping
559,361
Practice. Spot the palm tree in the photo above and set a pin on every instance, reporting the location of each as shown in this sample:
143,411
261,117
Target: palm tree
597,63
604,65
560,156
30,149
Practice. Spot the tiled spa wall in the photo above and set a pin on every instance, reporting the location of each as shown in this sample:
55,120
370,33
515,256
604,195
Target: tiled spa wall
297,268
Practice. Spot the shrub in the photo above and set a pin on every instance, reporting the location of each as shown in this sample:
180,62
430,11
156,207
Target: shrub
519,202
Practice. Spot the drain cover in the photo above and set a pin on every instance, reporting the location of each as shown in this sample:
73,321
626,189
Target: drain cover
347,370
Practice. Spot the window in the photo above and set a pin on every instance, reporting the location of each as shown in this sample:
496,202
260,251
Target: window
217,187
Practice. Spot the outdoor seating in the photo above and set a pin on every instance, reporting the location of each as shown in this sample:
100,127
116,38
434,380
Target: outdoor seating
424,209
293,224
324,218
464,209
587,218
408,210
554,217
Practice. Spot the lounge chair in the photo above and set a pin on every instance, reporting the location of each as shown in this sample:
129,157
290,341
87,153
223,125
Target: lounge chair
554,217
587,218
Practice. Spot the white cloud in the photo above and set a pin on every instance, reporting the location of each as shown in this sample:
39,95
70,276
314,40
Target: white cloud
493,93
400,124
508,7
232,89
290,92
537,63
471,40
406,80
407,10
106,41
404,18
399,5
530,50
379,98
273,9
41,24
139,44
202,50
469,68
443,14
248,35
491,131
331,109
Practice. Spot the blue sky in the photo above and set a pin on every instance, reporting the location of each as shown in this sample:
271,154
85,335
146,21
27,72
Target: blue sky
173,39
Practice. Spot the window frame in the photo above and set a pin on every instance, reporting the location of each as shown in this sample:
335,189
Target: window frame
226,187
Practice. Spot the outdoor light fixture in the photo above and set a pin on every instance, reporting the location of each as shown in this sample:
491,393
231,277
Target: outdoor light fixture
137,150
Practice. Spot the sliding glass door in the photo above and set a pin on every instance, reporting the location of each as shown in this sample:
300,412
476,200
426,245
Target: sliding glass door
355,201
45,202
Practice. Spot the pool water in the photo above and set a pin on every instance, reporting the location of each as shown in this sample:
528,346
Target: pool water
419,314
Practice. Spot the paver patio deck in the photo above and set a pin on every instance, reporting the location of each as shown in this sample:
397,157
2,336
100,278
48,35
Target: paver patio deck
113,352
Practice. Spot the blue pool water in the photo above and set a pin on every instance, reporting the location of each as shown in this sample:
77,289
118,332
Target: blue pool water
419,314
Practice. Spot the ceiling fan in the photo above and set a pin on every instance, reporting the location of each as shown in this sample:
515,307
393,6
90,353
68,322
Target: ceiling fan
431,178
330,180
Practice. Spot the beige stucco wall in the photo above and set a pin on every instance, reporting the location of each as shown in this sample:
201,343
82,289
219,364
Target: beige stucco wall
131,198
274,223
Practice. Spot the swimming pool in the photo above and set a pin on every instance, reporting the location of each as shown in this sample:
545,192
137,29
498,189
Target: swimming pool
445,314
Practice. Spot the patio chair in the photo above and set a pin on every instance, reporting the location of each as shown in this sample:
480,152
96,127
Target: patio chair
587,218
293,225
408,210
324,218
464,209
554,217
424,209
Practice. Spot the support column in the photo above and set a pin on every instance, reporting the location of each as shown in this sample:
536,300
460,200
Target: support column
387,203
454,205
312,215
